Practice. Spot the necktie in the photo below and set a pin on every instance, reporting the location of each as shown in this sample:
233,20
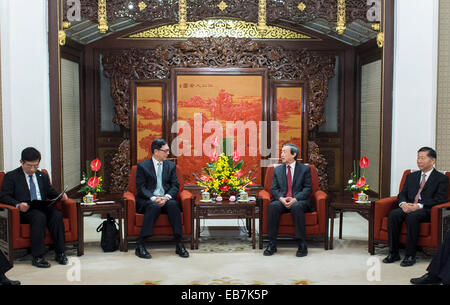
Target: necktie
159,191
289,182
33,195
422,184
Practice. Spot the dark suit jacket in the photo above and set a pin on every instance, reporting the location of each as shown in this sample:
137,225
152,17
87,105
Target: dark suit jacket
15,188
434,192
146,179
301,184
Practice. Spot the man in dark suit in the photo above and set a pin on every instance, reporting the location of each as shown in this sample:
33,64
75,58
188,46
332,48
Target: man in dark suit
157,188
25,184
439,268
422,190
4,267
291,190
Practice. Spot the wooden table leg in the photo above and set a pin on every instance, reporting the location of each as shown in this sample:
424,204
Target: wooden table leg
197,233
341,213
120,215
332,214
80,216
260,221
192,223
371,230
253,228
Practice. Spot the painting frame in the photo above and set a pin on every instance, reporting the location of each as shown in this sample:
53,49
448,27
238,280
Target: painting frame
223,71
164,84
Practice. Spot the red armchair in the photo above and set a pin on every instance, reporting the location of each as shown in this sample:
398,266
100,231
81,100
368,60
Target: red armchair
429,231
316,222
15,236
162,229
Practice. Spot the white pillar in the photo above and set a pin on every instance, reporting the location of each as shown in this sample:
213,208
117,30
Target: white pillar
25,79
415,83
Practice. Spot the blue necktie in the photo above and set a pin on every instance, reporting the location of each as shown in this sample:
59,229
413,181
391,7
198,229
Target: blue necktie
159,191
33,195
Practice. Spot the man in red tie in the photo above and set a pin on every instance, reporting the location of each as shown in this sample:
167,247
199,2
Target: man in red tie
421,191
291,190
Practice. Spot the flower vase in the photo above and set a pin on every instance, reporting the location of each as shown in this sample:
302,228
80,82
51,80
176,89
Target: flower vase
355,197
95,196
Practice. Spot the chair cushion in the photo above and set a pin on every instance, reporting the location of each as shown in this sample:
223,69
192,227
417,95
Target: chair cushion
161,221
310,219
25,229
425,227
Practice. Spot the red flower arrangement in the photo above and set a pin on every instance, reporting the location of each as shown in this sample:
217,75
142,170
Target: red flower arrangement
357,182
94,182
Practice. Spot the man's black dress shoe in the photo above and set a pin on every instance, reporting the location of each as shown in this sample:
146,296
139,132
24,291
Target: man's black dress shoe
426,279
142,252
4,281
181,250
302,250
270,250
40,262
391,258
61,258
408,261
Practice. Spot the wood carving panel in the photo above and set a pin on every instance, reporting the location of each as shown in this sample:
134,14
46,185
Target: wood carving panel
120,168
277,11
138,64
316,158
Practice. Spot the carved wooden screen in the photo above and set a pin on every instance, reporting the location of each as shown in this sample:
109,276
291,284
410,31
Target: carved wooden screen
149,116
227,103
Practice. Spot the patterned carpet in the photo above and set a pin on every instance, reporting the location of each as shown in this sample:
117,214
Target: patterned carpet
227,258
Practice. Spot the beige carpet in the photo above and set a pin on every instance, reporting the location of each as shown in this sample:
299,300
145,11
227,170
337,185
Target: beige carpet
226,257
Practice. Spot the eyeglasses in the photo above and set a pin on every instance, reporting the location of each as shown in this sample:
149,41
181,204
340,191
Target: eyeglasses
164,150
30,166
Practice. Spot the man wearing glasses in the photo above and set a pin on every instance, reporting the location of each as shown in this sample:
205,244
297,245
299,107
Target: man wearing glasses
25,184
157,188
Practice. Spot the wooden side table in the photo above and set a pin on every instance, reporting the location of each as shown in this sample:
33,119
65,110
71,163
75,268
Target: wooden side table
225,210
115,207
345,204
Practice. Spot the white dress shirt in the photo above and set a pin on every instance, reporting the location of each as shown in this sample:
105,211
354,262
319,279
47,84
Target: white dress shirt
427,175
27,179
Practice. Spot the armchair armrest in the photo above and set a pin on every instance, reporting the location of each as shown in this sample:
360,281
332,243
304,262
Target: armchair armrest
435,222
185,201
321,208
15,218
381,210
131,210
265,197
69,210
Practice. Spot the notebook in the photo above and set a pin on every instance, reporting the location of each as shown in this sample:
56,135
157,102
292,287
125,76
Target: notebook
40,204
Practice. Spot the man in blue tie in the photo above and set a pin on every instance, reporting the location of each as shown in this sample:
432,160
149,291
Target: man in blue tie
157,188
25,184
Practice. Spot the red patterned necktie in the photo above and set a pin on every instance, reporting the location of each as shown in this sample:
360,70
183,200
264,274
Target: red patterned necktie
289,182
422,184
